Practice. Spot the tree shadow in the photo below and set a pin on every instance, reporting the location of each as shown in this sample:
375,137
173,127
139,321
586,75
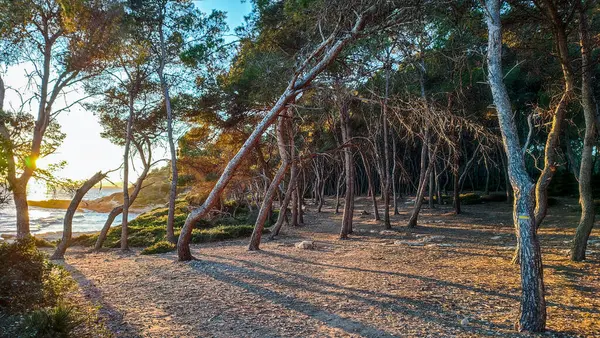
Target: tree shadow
113,318
429,311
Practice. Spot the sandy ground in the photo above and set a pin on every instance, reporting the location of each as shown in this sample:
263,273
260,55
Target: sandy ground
459,285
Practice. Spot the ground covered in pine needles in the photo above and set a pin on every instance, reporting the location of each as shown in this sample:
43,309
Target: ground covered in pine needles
451,276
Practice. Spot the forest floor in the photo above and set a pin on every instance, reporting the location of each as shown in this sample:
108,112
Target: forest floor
462,284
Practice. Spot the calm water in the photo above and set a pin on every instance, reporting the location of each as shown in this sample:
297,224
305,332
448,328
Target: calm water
50,220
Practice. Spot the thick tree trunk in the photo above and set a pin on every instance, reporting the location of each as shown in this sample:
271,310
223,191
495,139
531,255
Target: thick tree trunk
533,304
586,200
348,168
59,253
22,210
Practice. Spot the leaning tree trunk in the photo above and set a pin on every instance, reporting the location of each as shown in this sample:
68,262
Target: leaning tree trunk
552,142
288,196
265,209
324,54
68,221
533,305
118,210
586,223
412,221
455,178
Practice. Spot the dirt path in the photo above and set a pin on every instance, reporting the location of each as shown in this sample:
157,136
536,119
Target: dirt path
460,285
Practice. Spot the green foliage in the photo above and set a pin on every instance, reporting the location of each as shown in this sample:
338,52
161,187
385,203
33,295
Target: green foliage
159,247
222,232
56,322
470,198
24,267
42,243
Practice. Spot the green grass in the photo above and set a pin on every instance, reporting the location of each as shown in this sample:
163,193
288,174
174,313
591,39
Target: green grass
159,247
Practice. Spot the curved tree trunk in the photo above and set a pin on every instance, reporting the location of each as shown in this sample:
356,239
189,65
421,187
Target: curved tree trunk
412,221
323,55
59,253
552,142
586,200
119,209
533,305
265,209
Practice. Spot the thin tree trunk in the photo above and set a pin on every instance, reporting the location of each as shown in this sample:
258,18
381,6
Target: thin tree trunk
265,210
124,227
59,253
552,142
371,187
119,209
533,305
386,151
586,200
394,174
337,193
174,176
412,221
431,188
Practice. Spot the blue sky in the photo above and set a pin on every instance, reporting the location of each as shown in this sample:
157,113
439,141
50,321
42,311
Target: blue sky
83,149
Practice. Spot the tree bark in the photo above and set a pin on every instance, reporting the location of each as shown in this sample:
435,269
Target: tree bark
412,221
59,253
348,166
174,175
136,190
371,187
533,305
265,209
386,151
126,204
586,200
552,142
327,52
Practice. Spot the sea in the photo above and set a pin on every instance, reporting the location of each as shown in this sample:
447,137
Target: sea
43,220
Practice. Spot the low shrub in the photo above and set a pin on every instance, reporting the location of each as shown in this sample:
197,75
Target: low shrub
28,280
159,247
42,243
222,232
59,321
470,198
